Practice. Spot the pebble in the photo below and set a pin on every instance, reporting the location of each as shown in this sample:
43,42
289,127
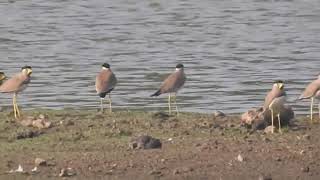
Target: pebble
305,169
265,177
40,162
67,172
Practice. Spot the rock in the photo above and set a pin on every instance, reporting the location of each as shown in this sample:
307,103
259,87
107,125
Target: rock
252,115
42,116
28,134
27,122
306,137
161,116
259,124
265,177
268,130
305,169
67,172
41,124
34,170
40,162
155,172
219,114
182,170
145,142
258,119
240,158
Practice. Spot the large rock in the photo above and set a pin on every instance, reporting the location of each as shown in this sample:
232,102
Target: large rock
145,142
40,122
258,119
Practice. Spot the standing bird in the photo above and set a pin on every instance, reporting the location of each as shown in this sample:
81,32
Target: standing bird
312,91
2,77
172,84
105,83
16,84
274,101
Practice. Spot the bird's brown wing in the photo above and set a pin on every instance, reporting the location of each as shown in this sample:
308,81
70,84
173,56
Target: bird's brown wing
173,82
271,96
311,90
105,81
14,83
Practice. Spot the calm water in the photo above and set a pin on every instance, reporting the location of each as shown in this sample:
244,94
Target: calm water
232,50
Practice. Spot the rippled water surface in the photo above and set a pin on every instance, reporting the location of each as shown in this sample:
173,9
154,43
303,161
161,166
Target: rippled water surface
232,50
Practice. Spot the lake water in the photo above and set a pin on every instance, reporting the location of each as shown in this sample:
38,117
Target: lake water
232,50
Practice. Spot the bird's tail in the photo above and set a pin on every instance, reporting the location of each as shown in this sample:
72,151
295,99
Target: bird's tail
156,93
302,97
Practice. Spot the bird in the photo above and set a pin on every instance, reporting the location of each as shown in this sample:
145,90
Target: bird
105,83
15,85
2,77
172,84
274,101
312,91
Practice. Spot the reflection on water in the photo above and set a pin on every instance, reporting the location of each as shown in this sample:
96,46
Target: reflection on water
232,50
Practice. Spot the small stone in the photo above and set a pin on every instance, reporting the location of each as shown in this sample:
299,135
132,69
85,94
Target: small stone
40,162
27,122
41,124
219,114
187,169
265,177
182,170
306,137
67,172
240,158
305,169
155,172
145,142
278,159
41,116
268,130
265,139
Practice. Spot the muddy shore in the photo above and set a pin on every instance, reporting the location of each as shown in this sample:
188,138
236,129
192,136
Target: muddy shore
91,145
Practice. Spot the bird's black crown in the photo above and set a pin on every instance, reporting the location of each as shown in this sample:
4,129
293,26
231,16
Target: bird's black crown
26,67
278,81
106,65
1,73
179,66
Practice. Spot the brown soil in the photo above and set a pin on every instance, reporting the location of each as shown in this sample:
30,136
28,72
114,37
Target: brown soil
194,146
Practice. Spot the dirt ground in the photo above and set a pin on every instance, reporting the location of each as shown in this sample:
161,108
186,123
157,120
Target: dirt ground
194,146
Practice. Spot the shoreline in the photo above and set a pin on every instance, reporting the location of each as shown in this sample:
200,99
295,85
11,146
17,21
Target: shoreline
194,145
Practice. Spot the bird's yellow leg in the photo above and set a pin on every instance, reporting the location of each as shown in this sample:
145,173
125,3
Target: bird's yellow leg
280,131
17,107
319,111
101,105
272,121
110,103
14,107
175,102
311,110
169,103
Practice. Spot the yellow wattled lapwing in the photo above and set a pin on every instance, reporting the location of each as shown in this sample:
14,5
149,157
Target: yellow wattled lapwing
274,101
312,91
172,84
2,78
105,83
16,84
